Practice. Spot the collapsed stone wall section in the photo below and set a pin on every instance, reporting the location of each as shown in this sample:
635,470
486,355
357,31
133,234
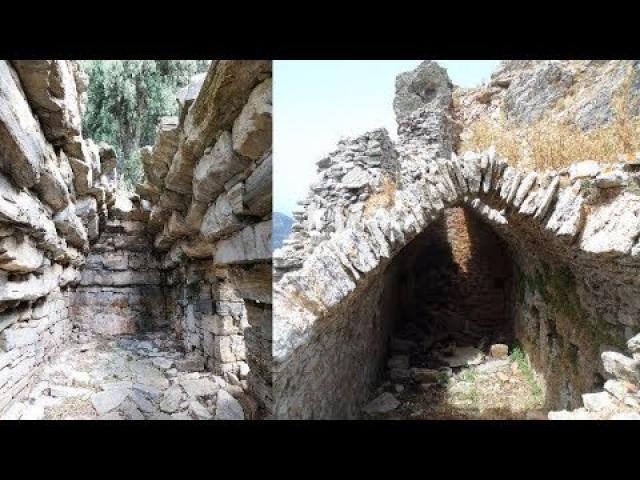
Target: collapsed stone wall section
208,181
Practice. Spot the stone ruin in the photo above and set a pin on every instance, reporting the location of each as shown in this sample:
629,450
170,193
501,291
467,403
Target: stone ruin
189,253
409,235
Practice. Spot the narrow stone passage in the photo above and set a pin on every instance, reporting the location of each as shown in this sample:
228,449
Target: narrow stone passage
153,304
130,377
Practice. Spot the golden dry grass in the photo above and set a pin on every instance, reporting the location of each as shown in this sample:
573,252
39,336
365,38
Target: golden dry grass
383,198
552,144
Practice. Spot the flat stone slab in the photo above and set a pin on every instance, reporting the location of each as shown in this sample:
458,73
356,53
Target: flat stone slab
199,387
382,404
463,356
108,400
227,407
61,391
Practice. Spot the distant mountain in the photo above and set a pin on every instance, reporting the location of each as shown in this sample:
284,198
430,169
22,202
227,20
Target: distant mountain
281,228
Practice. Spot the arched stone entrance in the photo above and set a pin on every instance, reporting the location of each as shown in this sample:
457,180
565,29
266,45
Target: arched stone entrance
575,251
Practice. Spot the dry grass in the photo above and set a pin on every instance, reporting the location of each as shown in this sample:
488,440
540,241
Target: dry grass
383,198
551,144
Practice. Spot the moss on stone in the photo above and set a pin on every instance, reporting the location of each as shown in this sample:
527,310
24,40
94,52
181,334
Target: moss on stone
557,286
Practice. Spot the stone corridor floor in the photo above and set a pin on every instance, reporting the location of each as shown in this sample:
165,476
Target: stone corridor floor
142,377
457,382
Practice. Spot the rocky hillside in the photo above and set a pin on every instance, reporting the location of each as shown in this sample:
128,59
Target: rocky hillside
554,108
582,92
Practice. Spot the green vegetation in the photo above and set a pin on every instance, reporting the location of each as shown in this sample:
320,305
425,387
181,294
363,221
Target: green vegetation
469,375
443,378
558,289
518,357
126,98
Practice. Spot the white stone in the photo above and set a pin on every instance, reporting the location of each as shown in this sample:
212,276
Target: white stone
585,169
199,387
598,402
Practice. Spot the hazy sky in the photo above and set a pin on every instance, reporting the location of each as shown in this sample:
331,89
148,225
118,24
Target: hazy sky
317,102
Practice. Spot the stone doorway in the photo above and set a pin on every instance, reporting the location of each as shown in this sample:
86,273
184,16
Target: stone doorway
452,352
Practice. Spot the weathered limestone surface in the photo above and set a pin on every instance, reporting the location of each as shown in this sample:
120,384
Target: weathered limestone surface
54,197
574,243
156,380
121,287
191,251
208,181
582,91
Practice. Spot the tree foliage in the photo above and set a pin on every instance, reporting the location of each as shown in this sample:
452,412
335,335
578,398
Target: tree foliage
126,98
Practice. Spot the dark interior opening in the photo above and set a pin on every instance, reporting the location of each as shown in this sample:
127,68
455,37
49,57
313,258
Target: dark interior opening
449,295
455,279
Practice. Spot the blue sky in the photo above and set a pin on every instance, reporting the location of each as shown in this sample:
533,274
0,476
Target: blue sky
316,102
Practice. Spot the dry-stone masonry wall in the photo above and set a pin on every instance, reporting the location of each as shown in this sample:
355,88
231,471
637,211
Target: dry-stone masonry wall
208,181
56,188
573,236
121,288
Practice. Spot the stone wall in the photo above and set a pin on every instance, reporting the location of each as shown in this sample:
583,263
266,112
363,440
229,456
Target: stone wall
121,288
55,188
208,180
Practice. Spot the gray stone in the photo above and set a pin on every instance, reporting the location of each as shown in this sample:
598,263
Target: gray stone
611,179
463,356
621,366
427,85
61,391
532,93
220,220
227,407
162,363
50,86
108,400
199,387
252,128
382,404
199,411
172,399
19,254
24,148
214,169
356,178
633,344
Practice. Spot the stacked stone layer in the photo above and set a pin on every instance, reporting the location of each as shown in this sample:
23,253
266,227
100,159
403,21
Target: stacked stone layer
56,188
208,181
121,288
